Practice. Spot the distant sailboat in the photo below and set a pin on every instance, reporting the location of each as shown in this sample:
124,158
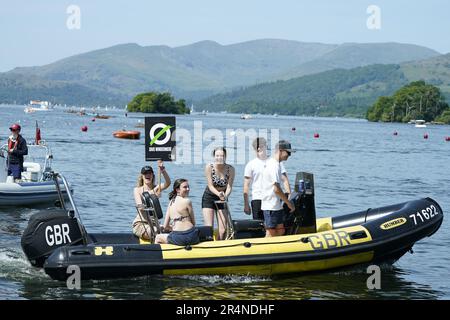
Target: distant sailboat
192,108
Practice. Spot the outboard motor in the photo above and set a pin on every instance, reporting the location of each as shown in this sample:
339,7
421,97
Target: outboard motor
303,219
47,231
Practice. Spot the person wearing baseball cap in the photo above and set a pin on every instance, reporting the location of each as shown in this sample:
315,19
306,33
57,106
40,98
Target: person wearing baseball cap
253,178
147,182
17,148
273,196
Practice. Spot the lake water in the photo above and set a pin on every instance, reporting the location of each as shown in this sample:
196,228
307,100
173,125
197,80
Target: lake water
356,165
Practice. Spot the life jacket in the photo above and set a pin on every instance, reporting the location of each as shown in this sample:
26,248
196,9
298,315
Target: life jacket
12,144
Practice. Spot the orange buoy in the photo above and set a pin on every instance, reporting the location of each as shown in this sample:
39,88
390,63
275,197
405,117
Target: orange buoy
425,136
316,135
84,128
130,134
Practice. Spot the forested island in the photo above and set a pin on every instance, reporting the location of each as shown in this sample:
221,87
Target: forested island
154,102
417,100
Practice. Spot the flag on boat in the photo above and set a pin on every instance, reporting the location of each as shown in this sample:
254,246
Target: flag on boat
38,134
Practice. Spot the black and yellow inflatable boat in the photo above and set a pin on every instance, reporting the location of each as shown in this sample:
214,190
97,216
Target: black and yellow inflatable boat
58,240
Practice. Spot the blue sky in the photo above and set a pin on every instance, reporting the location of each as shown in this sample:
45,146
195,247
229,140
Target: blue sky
35,32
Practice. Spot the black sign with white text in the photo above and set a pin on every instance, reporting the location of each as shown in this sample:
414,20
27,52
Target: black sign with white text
160,138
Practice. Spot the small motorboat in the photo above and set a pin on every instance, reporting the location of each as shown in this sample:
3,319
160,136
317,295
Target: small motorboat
127,134
101,116
419,123
36,186
57,240
37,105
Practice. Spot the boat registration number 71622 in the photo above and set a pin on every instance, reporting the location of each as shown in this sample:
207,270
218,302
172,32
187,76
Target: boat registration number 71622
424,215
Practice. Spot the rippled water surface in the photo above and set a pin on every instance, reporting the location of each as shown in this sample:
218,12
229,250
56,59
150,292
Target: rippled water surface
356,165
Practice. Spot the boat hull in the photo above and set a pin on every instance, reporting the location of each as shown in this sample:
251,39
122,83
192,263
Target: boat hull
133,135
384,235
29,193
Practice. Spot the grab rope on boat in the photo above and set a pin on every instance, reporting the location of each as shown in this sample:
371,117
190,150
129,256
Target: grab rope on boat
245,244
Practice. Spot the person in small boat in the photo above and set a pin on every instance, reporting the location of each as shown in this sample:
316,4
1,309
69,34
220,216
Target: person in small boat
253,177
219,177
179,218
146,183
273,196
17,148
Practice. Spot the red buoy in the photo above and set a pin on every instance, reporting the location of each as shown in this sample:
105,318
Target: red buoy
316,135
447,138
84,128
395,133
425,136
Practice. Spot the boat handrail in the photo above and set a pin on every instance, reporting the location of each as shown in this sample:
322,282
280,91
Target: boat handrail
229,227
148,208
2,149
74,211
48,157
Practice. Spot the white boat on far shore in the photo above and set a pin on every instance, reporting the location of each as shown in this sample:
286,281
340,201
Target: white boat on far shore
37,105
418,123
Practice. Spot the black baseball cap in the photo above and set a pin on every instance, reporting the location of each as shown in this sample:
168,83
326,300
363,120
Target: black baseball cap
146,169
284,145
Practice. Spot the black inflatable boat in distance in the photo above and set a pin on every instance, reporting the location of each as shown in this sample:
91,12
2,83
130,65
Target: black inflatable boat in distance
57,241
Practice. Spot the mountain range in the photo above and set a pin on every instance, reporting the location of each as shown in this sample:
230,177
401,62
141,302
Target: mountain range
194,72
337,92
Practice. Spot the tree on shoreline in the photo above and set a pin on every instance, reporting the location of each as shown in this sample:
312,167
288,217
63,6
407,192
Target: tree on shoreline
154,102
416,100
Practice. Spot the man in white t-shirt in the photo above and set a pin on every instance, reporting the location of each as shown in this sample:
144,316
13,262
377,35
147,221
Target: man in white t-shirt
253,177
273,196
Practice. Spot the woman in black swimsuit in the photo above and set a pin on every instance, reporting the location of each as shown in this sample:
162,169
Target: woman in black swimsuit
220,177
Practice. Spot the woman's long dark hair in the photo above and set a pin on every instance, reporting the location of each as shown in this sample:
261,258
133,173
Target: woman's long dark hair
176,185
220,148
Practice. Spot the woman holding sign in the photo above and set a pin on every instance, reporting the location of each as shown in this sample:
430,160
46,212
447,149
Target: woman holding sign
146,183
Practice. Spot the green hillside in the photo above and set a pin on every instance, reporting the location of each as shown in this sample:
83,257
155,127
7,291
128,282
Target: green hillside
202,69
332,93
352,55
21,89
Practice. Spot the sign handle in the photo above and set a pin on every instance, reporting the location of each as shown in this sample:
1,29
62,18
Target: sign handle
159,177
